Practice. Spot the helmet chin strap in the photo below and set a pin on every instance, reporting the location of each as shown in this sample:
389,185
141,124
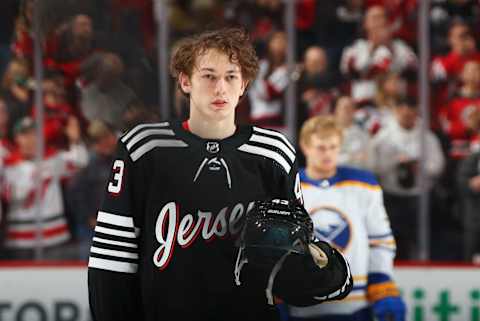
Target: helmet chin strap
241,261
276,269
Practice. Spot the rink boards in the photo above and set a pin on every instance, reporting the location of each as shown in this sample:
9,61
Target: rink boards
47,292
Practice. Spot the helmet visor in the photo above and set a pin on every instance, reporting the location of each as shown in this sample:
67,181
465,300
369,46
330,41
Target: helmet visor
277,236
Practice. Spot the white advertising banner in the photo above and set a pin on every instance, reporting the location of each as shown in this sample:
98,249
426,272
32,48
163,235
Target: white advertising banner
60,293
44,294
441,293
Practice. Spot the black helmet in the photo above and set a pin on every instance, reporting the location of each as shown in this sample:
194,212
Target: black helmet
273,229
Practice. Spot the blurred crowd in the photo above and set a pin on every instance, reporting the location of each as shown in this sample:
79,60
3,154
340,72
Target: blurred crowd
356,59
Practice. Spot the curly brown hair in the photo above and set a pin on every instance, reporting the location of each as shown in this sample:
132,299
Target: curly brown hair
234,42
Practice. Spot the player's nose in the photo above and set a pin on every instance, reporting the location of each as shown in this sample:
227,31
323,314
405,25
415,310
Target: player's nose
220,86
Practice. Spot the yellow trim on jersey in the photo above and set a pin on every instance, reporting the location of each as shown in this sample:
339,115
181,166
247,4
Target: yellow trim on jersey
348,183
379,291
383,242
358,297
359,278
304,185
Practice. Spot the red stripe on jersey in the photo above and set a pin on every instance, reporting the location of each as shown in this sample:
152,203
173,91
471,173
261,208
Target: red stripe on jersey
32,234
186,126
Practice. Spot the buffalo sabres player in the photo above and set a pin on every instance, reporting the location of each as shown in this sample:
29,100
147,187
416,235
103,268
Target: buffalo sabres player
346,206
164,246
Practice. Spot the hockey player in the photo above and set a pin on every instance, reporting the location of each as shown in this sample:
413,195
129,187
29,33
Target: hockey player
347,210
164,243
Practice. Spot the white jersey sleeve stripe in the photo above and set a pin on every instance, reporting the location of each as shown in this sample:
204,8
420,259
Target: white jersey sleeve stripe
274,133
26,227
148,132
110,231
112,242
266,153
274,142
114,219
115,253
139,127
145,148
103,264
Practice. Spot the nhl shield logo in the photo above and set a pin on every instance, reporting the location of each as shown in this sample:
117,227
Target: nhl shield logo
213,147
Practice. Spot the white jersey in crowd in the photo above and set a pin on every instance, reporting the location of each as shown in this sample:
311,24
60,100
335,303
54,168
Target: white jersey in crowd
347,211
363,59
264,104
20,178
392,143
353,151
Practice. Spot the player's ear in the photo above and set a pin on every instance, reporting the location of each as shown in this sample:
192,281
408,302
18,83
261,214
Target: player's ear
303,146
185,83
244,87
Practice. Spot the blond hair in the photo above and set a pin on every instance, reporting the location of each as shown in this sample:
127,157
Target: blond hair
323,126
98,130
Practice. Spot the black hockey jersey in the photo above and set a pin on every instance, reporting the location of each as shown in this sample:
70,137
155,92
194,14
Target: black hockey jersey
164,243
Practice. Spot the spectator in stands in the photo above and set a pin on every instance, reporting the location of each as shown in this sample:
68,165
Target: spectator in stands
266,92
394,156
21,177
468,179
462,49
391,88
455,116
268,20
23,43
354,147
57,111
402,16
86,187
446,69
316,84
376,55
16,90
104,95
76,42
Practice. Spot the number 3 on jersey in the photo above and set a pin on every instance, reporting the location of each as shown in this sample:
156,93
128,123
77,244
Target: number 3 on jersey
115,186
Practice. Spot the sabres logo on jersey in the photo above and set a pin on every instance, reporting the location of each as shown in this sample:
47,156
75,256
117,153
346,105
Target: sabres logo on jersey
331,225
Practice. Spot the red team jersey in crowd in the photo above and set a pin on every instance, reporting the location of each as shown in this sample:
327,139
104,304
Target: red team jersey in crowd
445,72
20,192
363,63
453,119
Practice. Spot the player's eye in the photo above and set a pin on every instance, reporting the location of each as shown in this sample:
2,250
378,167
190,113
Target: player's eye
231,77
209,77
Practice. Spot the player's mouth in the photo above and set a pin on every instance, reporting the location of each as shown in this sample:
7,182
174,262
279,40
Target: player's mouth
220,103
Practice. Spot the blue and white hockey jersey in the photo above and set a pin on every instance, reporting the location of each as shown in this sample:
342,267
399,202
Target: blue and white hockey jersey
347,210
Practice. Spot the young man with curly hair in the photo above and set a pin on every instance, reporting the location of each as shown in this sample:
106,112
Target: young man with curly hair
164,243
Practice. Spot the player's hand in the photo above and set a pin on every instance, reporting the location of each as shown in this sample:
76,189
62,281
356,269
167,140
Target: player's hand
312,279
389,309
319,256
